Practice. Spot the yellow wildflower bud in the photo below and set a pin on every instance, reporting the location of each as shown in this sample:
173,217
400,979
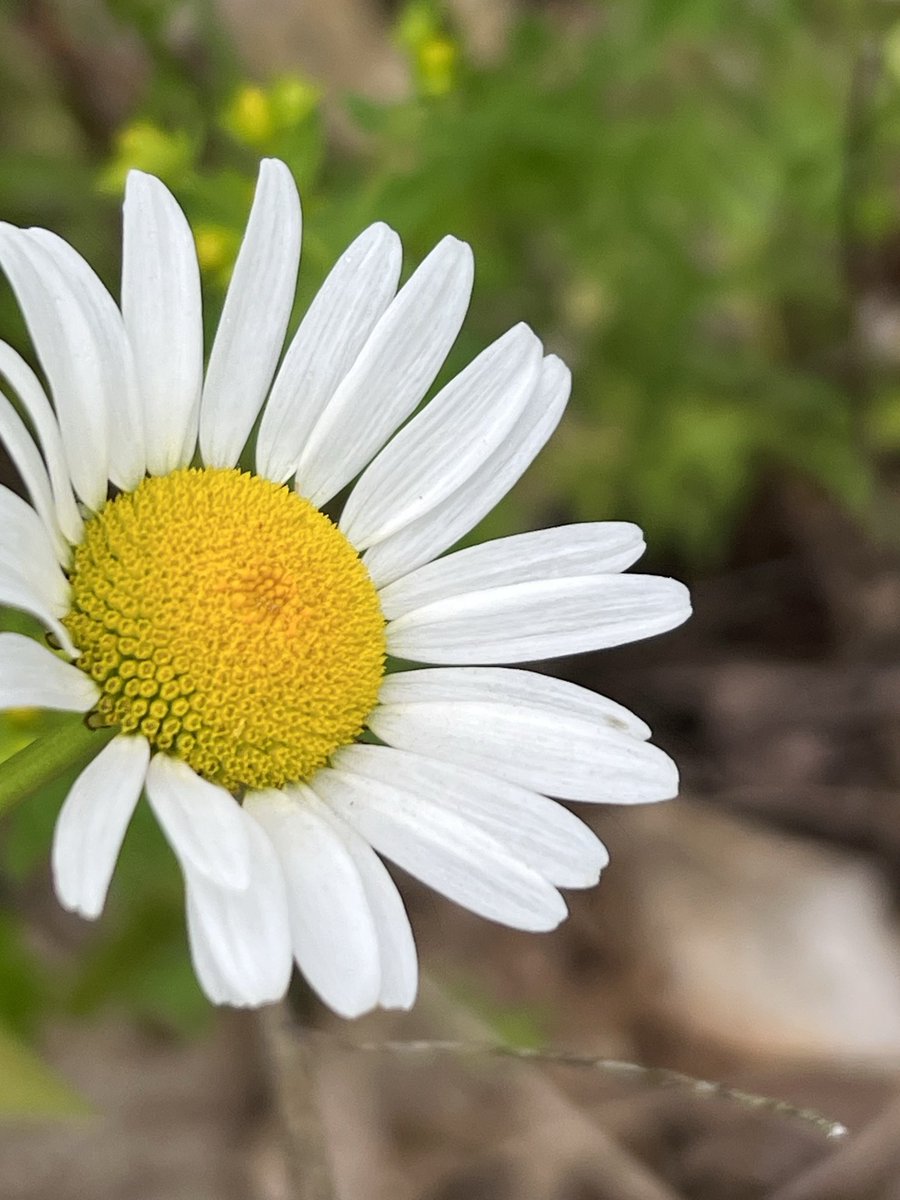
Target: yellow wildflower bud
437,59
147,147
249,116
293,100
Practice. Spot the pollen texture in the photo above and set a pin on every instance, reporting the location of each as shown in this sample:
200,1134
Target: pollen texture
228,621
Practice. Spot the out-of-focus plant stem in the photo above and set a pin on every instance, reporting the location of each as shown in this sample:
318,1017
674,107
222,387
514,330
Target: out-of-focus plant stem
291,1056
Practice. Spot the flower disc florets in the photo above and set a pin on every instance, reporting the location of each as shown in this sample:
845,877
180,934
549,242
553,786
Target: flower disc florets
228,621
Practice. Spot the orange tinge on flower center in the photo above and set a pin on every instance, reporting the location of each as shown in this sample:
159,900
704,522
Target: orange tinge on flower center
228,621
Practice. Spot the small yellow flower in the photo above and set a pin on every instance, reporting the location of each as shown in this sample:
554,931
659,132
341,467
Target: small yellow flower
249,116
435,55
437,59
256,115
147,147
293,101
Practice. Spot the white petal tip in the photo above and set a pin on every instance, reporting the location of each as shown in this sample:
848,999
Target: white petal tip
546,921
257,1002
89,911
670,782
450,240
459,252
590,878
273,167
660,783
351,1012
71,893
680,599
381,229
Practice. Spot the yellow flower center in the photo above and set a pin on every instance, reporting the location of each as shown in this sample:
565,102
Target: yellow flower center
228,621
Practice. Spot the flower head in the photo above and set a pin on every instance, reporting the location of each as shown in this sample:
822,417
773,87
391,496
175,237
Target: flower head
239,642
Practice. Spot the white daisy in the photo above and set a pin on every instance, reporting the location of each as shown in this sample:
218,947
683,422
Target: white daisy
229,642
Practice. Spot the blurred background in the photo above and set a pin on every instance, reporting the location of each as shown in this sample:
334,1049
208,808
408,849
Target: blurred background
697,205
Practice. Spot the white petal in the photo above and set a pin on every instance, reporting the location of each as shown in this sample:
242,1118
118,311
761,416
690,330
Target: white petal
505,685
536,831
564,552
332,930
92,823
396,947
441,848
342,315
27,551
32,677
540,619
119,395
66,345
254,318
30,577
392,373
26,384
210,976
447,522
30,466
162,310
240,940
562,755
203,822
16,592
447,442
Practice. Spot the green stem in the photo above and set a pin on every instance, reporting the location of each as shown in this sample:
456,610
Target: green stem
70,746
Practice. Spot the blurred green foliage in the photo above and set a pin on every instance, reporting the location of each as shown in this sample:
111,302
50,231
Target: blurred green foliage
668,194
681,198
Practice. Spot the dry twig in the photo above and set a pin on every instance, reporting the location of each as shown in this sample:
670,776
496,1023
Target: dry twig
660,1077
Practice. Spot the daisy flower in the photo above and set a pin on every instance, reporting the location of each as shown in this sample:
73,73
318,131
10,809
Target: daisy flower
232,645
